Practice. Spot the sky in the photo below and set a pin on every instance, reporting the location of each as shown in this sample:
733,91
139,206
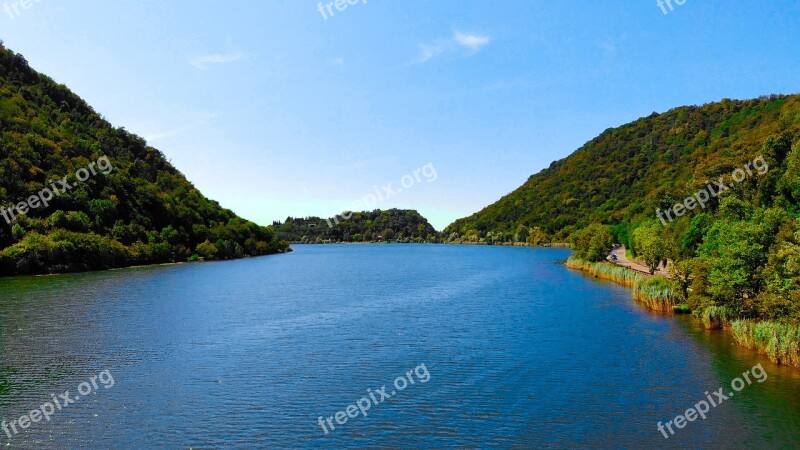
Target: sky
283,108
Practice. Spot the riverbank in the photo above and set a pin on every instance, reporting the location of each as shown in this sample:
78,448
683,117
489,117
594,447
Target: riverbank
503,244
652,291
779,341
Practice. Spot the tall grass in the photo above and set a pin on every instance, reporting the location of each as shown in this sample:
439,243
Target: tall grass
655,292
607,271
717,317
683,308
780,341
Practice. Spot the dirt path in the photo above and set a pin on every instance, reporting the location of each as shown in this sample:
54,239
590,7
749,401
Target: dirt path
622,260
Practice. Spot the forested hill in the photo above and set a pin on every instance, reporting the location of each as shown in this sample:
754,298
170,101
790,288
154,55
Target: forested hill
623,175
121,202
392,225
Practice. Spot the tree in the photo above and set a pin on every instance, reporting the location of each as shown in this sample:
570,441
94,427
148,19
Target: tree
522,234
781,296
593,242
681,272
538,237
649,244
207,251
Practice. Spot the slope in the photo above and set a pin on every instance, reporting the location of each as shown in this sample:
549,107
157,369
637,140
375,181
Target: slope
626,173
78,194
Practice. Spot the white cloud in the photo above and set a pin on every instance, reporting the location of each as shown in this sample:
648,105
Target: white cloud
468,41
429,51
203,62
473,42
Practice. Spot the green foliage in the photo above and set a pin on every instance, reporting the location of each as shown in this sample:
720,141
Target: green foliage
680,271
607,271
659,293
621,234
657,286
18,232
693,236
647,242
63,251
77,221
717,317
207,251
789,183
683,308
143,211
372,226
778,340
592,243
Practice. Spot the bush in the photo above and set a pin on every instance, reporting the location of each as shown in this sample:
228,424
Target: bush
592,243
62,251
207,251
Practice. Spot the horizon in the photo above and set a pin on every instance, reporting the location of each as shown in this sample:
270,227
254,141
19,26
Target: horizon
278,110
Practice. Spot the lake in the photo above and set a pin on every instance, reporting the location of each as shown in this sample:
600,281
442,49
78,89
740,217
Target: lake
482,347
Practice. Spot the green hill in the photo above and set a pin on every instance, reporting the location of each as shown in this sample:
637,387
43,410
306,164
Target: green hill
121,202
623,175
391,225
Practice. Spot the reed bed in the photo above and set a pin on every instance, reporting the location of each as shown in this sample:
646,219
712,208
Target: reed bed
607,271
780,341
657,293
683,308
717,317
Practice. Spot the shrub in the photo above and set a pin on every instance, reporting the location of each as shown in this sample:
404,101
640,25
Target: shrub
207,251
592,243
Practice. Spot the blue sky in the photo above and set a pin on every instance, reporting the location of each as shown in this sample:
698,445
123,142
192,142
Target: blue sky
276,111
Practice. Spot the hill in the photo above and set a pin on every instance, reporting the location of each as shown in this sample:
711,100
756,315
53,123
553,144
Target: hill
78,194
392,225
626,173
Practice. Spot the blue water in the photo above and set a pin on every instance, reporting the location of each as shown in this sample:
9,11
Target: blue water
518,351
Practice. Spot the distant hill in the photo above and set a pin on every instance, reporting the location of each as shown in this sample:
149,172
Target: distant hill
121,203
392,225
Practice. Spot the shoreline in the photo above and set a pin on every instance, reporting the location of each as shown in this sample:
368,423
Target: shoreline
777,341
139,266
515,244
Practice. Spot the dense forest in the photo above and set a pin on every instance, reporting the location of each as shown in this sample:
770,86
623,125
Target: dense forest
713,190
392,225
140,210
